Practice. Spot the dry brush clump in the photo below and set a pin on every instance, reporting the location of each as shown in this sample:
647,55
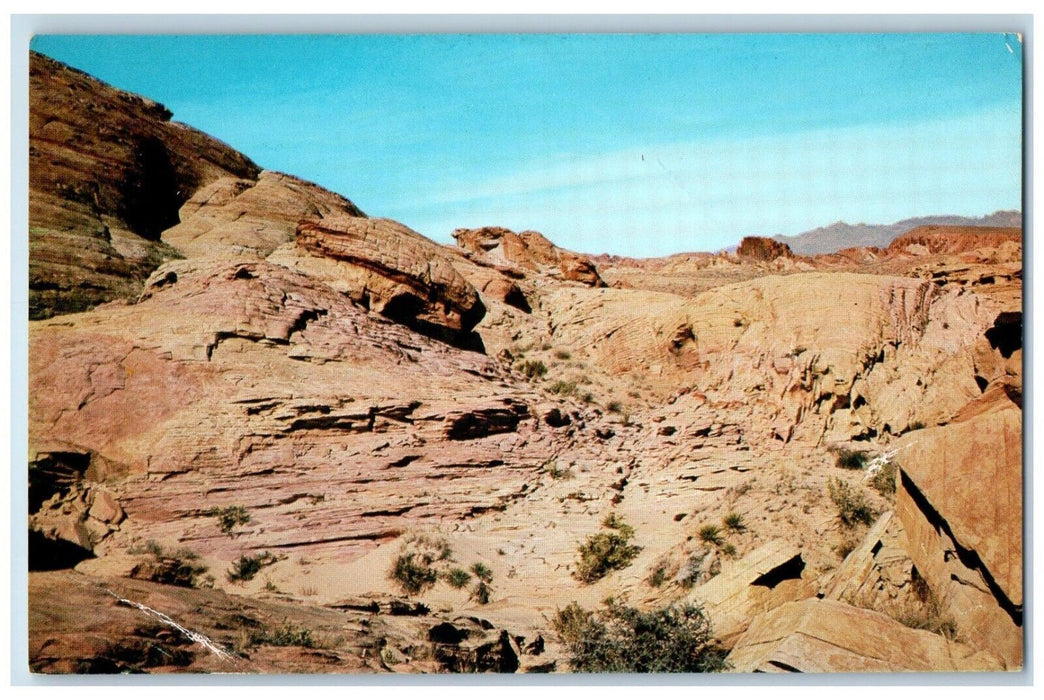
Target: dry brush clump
622,639
425,559
604,552
852,506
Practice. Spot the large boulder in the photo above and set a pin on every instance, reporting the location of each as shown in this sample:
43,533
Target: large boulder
528,250
827,636
960,502
390,269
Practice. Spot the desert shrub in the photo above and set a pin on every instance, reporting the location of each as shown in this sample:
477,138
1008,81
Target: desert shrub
431,546
615,522
852,506
174,568
883,480
229,517
413,572
606,551
532,368
562,354
614,407
733,522
622,639
481,593
482,572
851,459
556,472
658,577
728,549
288,635
247,566
456,577
847,545
710,533
562,387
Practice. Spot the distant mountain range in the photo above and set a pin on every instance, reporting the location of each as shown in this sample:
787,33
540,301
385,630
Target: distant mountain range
839,235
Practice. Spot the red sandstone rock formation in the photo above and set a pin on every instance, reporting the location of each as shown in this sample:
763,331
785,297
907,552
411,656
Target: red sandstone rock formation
763,249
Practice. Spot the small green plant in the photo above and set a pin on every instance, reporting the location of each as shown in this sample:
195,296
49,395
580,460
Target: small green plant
562,387
852,506
482,572
693,570
606,551
733,522
289,635
615,522
175,568
532,368
457,577
482,593
556,472
728,550
621,639
247,566
851,459
562,354
614,407
883,480
658,577
710,533
229,517
413,572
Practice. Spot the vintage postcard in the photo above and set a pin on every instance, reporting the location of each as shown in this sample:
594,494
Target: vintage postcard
525,353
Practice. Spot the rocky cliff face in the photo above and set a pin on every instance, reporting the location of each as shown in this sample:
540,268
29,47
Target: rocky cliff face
108,172
298,434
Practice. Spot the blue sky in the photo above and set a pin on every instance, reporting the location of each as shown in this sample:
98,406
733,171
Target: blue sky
629,144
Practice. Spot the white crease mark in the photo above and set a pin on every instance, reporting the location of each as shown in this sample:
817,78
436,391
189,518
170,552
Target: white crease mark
196,637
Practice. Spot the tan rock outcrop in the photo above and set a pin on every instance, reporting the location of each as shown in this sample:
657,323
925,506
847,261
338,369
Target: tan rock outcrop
528,250
967,545
234,218
762,580
390,269
825,636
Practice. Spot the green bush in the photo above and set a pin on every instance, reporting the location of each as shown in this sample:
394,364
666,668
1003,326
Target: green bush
621,639
883,481
286,636
852,507
562,354
413,572
851,459
482,593
532,368
710,533
457,577
562,387
174,568
229,517
247,566
482,572
733,522
658,577
606,551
